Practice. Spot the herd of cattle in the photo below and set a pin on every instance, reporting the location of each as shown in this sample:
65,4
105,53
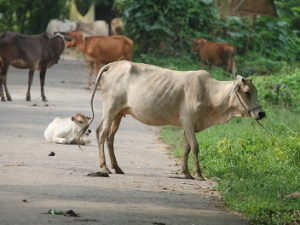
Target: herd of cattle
155,96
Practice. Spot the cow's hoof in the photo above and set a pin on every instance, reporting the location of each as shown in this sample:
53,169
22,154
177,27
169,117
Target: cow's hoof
44,99
107,171
9,99
200,178
3,99
119,171
28,99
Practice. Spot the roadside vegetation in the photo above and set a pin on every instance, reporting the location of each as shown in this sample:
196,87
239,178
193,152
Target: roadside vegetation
258,170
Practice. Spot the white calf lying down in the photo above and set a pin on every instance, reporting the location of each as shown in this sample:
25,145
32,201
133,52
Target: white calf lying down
65,131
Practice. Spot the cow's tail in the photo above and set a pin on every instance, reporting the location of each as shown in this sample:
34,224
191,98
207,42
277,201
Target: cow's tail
83,130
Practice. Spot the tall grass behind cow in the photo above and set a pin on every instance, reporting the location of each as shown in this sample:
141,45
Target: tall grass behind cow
101,50
33,52
156,96
215,54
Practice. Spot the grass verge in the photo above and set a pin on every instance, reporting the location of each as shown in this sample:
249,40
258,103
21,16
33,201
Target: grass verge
256,169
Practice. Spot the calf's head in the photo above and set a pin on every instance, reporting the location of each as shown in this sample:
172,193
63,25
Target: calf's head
244,98
80,120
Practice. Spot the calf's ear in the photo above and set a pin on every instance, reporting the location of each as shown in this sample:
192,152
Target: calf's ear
72,118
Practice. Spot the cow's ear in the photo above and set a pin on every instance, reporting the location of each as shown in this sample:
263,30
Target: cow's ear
239,77
234,88
88,118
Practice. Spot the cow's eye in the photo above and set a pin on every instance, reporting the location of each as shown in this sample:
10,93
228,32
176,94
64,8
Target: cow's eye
247,93
80,122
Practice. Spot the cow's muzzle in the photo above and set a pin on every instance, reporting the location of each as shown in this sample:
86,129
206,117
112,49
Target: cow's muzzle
261,114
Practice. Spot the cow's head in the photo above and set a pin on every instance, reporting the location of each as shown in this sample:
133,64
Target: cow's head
197,44
75,35
244,98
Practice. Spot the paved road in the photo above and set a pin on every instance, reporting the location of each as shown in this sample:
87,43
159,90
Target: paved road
31,182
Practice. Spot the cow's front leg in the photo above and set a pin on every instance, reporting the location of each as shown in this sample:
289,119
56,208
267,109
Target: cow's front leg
110,144
42,82
3,82
190,143
91,69
98,66
30,78
3,99
186,151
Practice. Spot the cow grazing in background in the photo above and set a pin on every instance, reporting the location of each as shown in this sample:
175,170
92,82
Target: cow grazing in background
155,96
57,25
33,52
215,54
117,27
65,131
97,49
96,28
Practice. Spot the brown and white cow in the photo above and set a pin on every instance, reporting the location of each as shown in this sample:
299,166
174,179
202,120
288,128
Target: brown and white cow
33,52
101,50
156,96
215,54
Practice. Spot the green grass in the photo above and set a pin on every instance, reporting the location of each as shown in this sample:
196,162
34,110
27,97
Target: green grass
252,164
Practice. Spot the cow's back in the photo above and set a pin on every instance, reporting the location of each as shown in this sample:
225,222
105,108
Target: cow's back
151,94
108,49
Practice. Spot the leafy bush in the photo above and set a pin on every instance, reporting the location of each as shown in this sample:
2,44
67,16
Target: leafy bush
280,89
166,27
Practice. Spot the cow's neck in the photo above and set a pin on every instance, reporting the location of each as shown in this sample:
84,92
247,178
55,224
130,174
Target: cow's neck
221,108
80,44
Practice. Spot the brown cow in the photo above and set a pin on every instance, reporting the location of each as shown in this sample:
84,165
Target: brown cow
117,27
100,49
215,54
155,96
33,52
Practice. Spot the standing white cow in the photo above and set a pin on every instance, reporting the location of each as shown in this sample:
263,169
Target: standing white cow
57,25
65,131
156,96
96,28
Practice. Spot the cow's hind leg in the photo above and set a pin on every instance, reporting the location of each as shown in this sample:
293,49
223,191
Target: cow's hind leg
42,82
110,144
102,132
